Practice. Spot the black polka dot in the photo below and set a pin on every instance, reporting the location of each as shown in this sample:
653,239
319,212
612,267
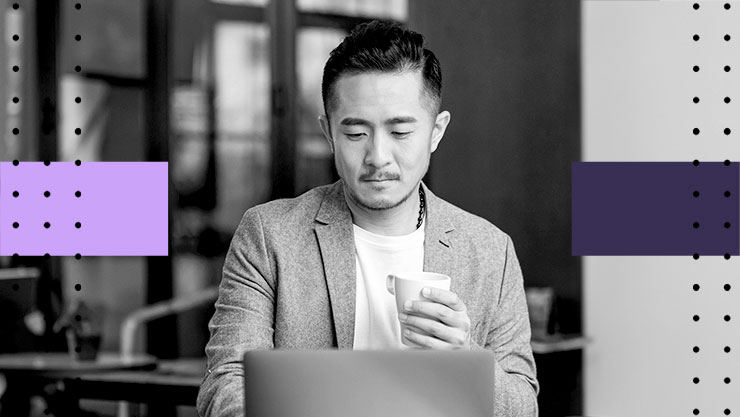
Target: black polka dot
78,225
727,68
696,380
696,317
696,131
16,68
16,131
78,162
727,162
78,6
78,100
696,256
728,194
16,38
696,68
16,225
696,411
16,100
46,255
78,68
727,100
727,410
16,6
727,225
696,99
696,37
47,225
727,317
47,162
727,380
728,37
727,349
696,349
78,131
78,194
16,194
15,162
78,256
728,287
696,162
78,38
696,287
78,287
727,256
696,225
727,6
696,193
47,194
727,131
696,6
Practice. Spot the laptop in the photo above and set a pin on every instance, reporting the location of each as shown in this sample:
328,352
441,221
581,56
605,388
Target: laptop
342,383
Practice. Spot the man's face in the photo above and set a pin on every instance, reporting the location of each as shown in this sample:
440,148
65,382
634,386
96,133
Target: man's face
382,134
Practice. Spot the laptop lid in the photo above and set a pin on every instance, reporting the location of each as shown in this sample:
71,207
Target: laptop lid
334,383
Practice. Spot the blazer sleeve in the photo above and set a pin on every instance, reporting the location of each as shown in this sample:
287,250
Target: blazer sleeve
243,319
516,386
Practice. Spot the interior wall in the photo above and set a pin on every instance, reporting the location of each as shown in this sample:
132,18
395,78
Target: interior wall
638,105
511,82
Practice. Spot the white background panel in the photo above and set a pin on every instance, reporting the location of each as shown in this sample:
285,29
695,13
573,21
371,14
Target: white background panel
638,86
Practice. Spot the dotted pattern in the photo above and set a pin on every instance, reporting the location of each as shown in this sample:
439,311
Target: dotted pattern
16,99
726,224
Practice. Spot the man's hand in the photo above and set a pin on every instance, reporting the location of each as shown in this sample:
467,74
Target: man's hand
440,322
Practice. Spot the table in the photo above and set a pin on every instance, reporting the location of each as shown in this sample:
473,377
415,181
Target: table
30,373
175,382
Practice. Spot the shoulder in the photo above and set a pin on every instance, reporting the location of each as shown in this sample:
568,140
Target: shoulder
471,227
304,206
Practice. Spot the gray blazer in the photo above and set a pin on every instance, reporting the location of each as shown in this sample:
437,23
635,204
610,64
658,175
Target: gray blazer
289,282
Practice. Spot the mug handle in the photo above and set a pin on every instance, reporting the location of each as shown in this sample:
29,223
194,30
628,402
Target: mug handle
390,284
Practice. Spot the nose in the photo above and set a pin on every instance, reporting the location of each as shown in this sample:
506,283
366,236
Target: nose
378,152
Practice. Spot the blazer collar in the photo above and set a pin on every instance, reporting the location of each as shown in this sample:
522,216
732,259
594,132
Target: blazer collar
335,235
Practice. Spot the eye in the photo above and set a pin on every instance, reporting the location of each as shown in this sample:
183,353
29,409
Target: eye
354,136
401,135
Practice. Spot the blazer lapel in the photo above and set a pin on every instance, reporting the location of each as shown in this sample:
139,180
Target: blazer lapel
336,242
439,253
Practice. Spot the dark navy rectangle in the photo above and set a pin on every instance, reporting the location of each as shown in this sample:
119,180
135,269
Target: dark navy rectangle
648,208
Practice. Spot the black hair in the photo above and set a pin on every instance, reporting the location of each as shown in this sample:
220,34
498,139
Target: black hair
379,46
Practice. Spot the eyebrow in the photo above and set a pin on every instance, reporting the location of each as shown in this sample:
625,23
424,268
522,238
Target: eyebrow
352,121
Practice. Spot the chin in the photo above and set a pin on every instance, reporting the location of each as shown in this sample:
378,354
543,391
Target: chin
378,199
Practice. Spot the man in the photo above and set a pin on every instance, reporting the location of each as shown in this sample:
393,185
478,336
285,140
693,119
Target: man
309,272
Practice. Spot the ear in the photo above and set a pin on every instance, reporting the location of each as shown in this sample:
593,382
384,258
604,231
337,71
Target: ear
440,125
326,129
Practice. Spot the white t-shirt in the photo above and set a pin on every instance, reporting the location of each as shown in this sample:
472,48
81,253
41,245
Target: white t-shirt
376,318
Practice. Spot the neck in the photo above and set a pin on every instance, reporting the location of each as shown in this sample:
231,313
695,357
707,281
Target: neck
397,221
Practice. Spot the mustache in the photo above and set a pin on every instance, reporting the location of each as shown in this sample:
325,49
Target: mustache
379,176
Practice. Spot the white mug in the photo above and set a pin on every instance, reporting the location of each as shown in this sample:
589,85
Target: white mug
408,285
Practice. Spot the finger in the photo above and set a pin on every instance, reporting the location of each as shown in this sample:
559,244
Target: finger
448,298
436,311
426,342
434,328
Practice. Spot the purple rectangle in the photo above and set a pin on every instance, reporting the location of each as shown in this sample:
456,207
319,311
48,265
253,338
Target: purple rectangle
649,208
121,209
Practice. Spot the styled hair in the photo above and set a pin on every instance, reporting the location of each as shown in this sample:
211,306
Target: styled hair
382,47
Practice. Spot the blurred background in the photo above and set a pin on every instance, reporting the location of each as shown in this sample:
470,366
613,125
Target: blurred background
228,92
